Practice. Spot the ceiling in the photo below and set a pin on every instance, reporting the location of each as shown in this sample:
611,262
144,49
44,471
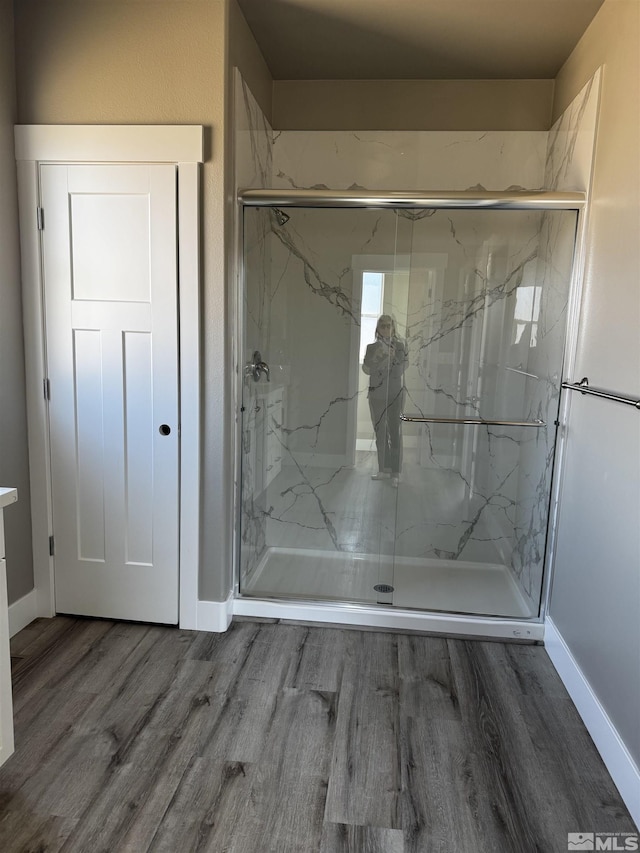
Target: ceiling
417,39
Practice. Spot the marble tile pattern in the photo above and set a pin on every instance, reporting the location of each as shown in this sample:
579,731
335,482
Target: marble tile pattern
253,148
527,517
568,167
253,168
409,160
460,327
256,309
457,284
571,141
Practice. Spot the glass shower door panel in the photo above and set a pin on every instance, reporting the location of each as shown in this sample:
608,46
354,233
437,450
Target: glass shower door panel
486,317
314,524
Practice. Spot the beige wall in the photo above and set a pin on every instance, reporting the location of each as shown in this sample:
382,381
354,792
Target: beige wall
245,53
14,466
122,60
596,589
412,104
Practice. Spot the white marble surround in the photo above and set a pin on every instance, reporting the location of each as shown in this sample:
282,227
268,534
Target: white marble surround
473,495
408,160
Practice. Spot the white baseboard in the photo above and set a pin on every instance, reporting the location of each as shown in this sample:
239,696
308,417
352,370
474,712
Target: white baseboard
609,744
214,615
210,615
22,612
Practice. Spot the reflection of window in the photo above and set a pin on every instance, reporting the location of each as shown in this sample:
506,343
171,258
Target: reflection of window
526,314
371,308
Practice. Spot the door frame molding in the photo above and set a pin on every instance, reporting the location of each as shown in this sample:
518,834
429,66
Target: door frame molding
181,145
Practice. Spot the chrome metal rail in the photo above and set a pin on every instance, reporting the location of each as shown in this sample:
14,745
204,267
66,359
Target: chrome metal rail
419,419
584,388
513,200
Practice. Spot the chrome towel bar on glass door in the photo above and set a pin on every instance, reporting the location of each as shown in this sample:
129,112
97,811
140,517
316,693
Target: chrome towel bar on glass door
419,419
584,388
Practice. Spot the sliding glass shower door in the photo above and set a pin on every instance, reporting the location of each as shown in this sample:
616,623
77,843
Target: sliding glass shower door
401,376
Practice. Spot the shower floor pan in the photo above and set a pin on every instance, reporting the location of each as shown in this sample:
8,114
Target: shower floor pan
448,586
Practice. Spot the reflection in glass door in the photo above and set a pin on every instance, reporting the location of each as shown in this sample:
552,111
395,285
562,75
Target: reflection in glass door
473,304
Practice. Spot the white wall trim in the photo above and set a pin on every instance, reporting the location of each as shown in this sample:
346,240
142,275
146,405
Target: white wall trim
189,295
22,612
604,734
183,147
215,615
110,143
35,370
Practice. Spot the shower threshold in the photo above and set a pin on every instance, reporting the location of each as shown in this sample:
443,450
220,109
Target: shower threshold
341,577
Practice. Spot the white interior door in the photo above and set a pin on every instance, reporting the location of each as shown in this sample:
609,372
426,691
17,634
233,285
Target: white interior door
110,281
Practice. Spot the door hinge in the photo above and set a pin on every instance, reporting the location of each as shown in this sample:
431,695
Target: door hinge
40,217
52,549
47,389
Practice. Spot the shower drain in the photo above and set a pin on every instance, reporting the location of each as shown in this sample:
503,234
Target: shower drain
383,587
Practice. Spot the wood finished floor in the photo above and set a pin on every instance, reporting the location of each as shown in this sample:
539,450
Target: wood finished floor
283,737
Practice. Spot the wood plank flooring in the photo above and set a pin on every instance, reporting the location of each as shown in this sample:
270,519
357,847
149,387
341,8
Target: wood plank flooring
281,737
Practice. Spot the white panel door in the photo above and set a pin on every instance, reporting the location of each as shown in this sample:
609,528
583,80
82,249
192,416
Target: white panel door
110,282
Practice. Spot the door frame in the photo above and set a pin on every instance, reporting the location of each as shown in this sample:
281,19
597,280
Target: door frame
181,145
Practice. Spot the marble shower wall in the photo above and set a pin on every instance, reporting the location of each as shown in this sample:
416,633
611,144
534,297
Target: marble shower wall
568,167
470,354
409,160
474,351
568,163
455,298
253,168
253,139
520,483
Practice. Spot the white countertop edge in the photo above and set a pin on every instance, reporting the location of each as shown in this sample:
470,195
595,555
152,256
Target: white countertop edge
7,496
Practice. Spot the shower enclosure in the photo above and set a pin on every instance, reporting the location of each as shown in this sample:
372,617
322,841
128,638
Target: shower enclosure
478,289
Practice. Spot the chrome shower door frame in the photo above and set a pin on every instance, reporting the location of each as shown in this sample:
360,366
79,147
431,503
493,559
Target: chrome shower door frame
373,615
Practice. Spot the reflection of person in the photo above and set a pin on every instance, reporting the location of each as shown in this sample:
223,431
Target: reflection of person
385,362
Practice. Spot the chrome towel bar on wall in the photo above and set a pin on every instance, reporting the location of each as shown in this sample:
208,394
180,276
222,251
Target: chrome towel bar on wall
584,388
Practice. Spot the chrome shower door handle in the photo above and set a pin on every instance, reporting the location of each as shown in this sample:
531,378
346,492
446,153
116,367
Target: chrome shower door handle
256,367
264,368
